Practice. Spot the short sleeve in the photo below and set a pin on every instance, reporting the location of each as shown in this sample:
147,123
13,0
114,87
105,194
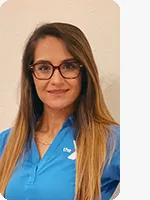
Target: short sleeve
115,161
111,174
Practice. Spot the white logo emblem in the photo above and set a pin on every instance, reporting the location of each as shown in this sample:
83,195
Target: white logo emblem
1,197
65,149
74,154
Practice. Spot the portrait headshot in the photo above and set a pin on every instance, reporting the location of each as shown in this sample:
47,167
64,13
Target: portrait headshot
59,110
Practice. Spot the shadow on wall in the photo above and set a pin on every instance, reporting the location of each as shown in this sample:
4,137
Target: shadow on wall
111,90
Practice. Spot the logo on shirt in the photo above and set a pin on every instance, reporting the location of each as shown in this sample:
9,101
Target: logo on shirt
65,149
1,197
74,154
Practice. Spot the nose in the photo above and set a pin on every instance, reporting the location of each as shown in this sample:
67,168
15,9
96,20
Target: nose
56,78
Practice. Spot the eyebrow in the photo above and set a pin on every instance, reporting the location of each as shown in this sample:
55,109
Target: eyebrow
49,62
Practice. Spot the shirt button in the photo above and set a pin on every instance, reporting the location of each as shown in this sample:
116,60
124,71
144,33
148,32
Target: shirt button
32,177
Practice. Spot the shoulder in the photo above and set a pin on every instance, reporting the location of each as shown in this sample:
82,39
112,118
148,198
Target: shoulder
111,174
115,131
112,166
3,139
114,138
113,151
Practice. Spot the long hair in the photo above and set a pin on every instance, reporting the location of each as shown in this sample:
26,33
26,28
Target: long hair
92,118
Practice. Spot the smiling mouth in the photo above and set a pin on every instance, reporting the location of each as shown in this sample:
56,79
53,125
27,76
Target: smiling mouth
57,91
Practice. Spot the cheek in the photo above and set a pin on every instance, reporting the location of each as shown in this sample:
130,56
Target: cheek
76,87
39,86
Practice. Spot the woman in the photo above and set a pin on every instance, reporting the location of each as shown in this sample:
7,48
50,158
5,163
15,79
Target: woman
64,144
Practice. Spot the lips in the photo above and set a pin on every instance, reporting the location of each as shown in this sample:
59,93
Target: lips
57,91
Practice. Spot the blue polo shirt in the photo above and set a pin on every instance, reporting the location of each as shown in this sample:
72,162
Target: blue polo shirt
53,177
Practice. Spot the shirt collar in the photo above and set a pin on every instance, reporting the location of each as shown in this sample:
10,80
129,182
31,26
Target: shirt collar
69,121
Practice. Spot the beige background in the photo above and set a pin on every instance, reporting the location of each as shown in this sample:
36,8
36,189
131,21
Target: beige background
99,20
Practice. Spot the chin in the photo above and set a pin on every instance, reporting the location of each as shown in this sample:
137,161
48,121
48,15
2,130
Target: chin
59,106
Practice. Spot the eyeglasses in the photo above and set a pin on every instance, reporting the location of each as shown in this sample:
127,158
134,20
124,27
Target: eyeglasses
44,70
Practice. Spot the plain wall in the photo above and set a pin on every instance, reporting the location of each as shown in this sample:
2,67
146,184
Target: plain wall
99,20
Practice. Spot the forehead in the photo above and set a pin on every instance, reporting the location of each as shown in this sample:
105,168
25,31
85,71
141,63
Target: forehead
52,49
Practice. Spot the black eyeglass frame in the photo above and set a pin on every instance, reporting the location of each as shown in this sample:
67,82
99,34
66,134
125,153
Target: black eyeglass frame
31,67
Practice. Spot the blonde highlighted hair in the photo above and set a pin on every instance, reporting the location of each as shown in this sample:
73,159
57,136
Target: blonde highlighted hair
92,120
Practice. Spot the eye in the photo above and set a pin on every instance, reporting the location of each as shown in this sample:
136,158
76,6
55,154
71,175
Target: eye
42,67
70,65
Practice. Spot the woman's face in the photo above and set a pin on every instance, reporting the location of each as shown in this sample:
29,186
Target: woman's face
57,92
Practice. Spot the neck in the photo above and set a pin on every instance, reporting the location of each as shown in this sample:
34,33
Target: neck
52,120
